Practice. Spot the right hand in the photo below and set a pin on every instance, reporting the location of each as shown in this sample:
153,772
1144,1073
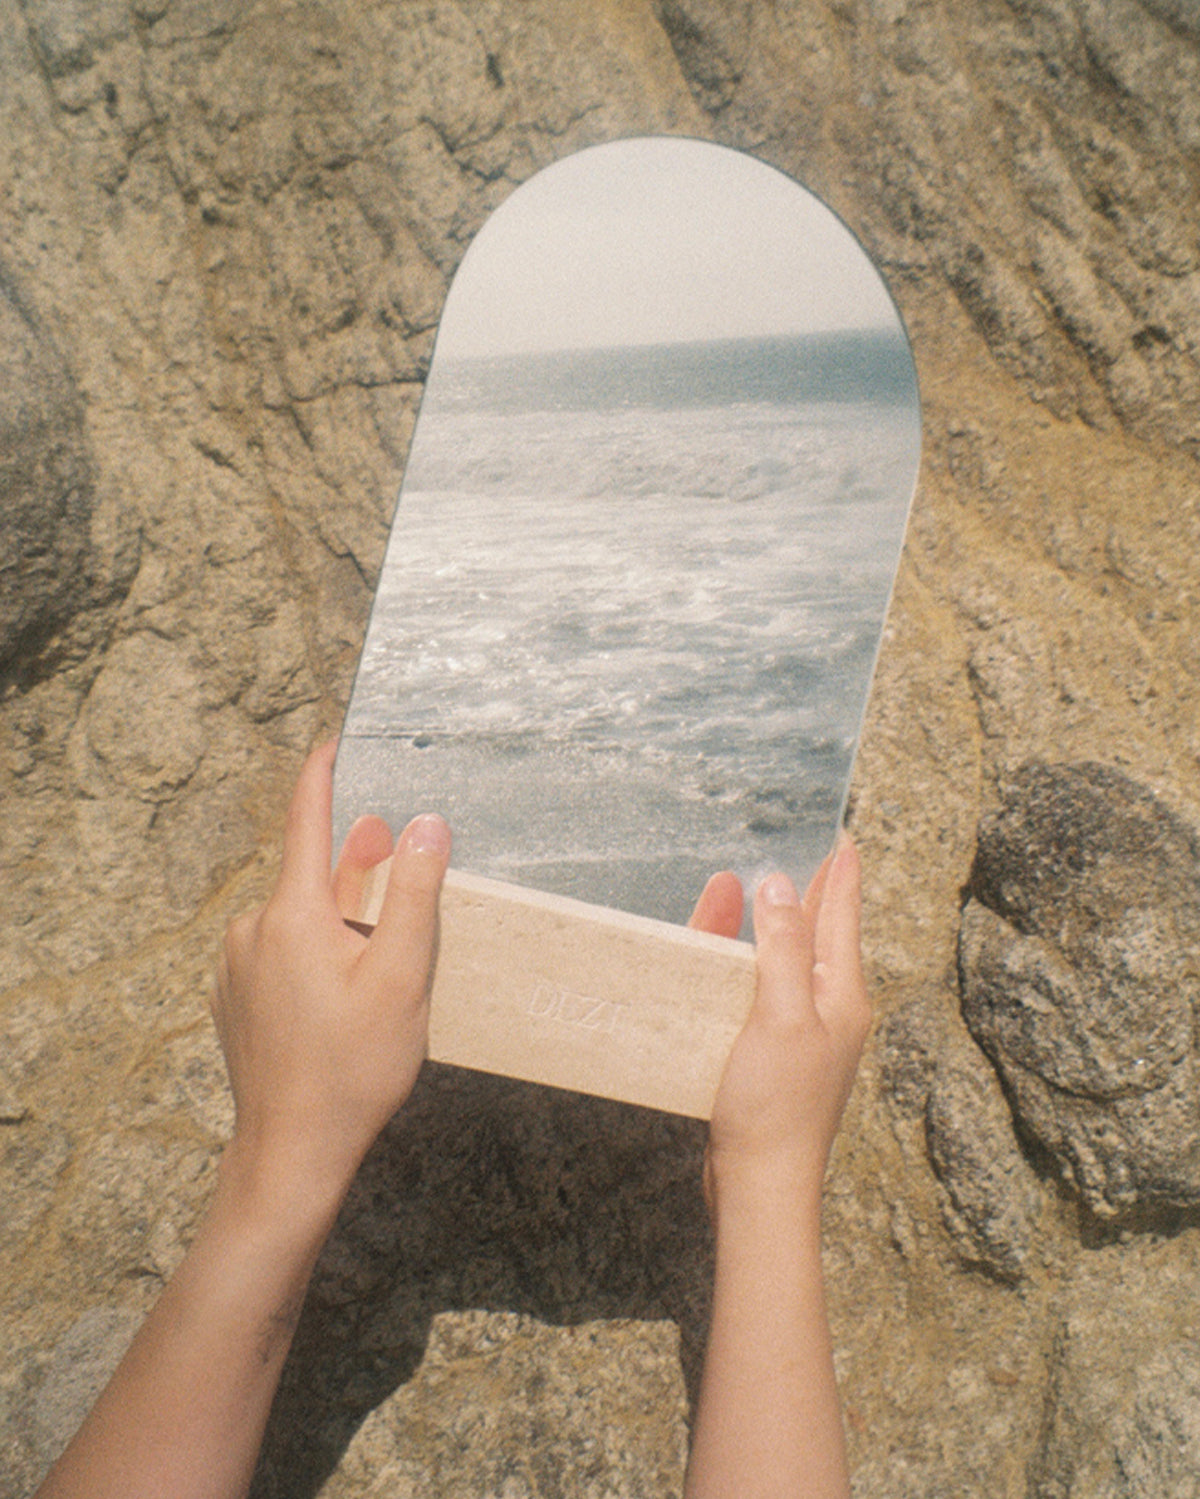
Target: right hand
792,1066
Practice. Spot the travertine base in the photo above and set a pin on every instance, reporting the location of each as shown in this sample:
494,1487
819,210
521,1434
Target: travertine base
556,991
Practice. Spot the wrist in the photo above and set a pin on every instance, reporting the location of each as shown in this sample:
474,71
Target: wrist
765,1193
280,1193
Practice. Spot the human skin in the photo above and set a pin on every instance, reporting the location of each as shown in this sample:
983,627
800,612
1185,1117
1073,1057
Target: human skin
768,1422
324,1031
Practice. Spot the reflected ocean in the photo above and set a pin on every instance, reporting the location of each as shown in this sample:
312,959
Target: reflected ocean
630,608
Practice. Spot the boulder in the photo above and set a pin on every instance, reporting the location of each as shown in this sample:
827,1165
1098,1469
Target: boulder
1080,971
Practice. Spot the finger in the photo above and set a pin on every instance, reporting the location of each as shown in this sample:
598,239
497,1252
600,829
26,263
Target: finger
307,836
838,976
838,918
719,909
367,843
816,886
783,932
400,951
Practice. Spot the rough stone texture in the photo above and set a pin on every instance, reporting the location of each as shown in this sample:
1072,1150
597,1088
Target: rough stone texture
563,1209
1120,1415
63,556
991,1197
78,1369
472,1421
226,232
1080,956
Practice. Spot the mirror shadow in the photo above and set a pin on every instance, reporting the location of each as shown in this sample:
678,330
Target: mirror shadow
490,1194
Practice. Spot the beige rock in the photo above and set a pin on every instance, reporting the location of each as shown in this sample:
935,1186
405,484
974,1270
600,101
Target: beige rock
501,1405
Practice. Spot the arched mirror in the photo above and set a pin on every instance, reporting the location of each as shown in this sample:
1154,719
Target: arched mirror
639,568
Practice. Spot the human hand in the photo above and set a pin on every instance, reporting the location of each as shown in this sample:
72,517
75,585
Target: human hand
324,1029
791,1068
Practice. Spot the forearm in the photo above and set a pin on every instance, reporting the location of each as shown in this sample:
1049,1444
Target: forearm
184,1413
768,1423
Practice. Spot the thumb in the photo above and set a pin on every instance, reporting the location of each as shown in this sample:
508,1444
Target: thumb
839,985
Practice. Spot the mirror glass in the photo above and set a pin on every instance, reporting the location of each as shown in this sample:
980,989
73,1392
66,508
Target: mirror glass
627,620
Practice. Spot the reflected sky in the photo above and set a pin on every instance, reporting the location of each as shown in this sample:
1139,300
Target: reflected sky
658,241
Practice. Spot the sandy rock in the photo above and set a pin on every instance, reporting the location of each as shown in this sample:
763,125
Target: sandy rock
1120,1413
1158,1442
501,1405
32,1156
226,235
77,1370
140,726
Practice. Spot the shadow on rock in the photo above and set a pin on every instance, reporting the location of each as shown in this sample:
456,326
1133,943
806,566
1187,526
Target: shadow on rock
495,1194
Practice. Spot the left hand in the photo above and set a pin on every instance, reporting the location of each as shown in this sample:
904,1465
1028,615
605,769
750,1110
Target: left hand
323,1029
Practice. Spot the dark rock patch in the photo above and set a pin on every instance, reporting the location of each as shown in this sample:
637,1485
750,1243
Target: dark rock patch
1081,980
51,569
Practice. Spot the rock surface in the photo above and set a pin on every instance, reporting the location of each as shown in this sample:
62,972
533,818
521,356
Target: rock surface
1080,957
476,1417
991,1195
1120,1411
56,564
225,237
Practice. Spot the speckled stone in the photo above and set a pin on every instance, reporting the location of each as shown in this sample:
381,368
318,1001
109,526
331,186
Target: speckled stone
502,1405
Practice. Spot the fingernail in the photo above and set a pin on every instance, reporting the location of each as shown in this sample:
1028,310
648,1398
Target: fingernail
428,834
778,890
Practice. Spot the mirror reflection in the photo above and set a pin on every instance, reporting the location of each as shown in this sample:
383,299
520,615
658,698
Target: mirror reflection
638,572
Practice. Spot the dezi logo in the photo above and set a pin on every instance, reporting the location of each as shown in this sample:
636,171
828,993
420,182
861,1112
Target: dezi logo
582,1011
